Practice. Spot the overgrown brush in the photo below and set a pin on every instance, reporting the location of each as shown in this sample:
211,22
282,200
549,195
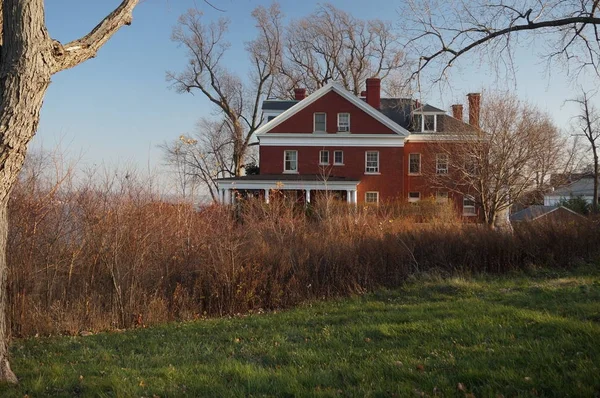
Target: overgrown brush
109,253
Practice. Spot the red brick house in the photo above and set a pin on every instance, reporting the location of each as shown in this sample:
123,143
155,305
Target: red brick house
361,149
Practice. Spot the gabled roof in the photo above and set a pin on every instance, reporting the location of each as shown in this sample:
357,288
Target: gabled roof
429,108
339,89
534,212
278,105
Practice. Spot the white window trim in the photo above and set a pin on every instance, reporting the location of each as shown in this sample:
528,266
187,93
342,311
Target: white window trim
321,163
336,163
376,195
419,172
474,213
442,199
378,172
290,171
413,200
338,122
435,121
315,122
437,163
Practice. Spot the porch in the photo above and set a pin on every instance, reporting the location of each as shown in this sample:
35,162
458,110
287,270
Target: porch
303,188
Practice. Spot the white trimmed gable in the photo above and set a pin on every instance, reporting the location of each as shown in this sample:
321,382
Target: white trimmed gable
339,89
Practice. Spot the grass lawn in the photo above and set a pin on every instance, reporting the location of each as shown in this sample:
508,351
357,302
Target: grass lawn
518,335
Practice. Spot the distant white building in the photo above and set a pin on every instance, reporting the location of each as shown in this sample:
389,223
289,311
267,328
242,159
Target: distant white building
583,188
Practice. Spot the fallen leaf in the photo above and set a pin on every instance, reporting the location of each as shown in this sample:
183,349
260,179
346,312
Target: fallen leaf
420,368
460,387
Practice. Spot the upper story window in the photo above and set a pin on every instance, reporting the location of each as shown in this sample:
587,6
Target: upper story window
414,163
290,161
372,162
320,121
343,122
441,163
338,157
323,157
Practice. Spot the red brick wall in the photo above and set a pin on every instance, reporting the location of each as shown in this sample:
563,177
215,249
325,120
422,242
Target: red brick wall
332,103
391,160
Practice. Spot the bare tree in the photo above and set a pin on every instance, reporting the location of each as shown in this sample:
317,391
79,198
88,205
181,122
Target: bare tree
587,121
237,102
204,156
29,57
332,45
443,31
510,156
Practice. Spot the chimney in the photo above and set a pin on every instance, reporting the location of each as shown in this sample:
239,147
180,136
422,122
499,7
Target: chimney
457,111
363,93
474,102
374,92
299,94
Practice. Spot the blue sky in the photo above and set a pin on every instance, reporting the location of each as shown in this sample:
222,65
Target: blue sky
118,107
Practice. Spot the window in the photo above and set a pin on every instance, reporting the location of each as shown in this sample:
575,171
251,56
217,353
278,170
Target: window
372,162
414,163
441,197
414,196
468,206
338,157
343,122
269,118
372,197
320,121
429,123
441,163
290,162
417,123
324,157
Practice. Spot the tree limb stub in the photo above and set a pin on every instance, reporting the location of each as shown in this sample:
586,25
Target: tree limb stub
80,50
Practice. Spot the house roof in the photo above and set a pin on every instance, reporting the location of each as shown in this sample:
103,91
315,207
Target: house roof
278,105
582,187
429,108
398,110
536,211
339,89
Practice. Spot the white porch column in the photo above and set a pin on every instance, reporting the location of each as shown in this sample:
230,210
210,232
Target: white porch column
222,196
348,196
267,195
227,197
355,196
307,195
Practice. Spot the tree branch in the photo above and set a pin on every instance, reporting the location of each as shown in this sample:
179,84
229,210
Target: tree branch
80,50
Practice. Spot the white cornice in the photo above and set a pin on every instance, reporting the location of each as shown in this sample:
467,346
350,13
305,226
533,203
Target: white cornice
380,117
323,140
441,137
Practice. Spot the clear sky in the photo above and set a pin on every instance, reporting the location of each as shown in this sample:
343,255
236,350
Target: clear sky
118,107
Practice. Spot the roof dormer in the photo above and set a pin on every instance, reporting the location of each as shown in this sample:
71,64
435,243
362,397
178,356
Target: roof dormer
425,119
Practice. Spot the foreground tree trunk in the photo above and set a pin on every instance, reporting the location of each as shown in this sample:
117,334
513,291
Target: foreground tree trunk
28,58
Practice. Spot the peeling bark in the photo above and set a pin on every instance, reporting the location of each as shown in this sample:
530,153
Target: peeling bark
28,58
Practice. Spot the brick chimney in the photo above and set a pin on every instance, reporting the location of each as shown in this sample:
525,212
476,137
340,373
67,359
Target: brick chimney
374,92
299,94
457,111
474,108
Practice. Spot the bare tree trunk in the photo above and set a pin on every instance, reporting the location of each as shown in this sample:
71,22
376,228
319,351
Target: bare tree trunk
28,58
6,374
595,196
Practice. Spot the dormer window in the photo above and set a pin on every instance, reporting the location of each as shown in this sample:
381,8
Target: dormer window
424,123
343,122
320,122
429,123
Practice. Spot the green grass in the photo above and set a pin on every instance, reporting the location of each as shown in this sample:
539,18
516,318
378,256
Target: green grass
518,335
